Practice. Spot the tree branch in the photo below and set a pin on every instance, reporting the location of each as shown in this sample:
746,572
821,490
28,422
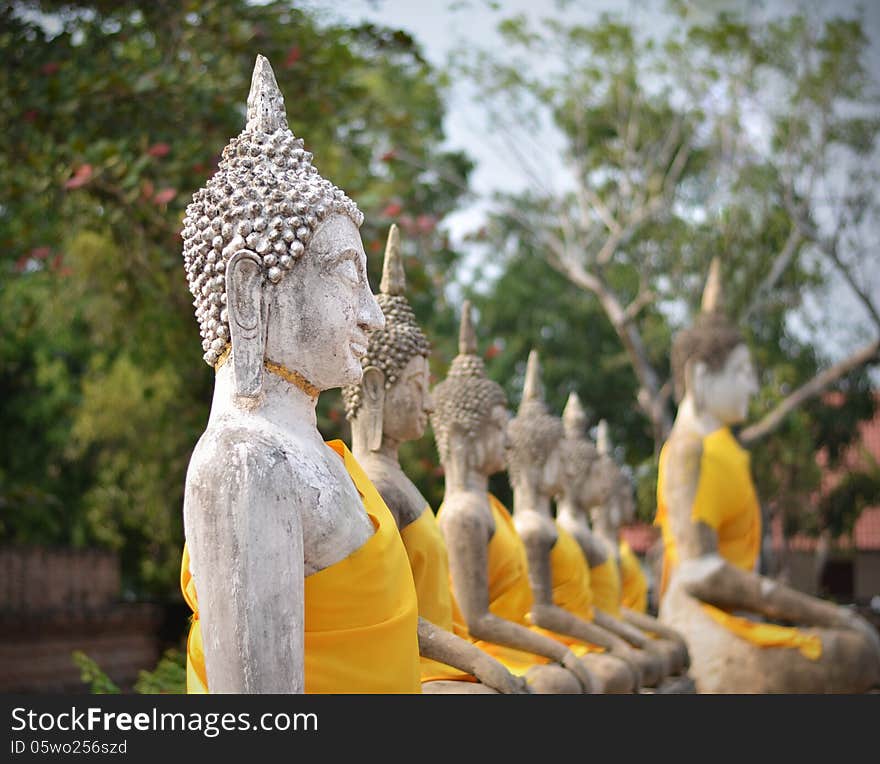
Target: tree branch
644,298
813,387
780,263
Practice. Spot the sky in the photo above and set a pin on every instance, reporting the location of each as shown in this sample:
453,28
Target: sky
442,26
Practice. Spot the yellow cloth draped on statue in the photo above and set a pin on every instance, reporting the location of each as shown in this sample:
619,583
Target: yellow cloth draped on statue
429,562
726,501
571,588
605,581
361,613
510,595
633,581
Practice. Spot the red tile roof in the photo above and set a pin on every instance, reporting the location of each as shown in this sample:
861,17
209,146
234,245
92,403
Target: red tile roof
640,536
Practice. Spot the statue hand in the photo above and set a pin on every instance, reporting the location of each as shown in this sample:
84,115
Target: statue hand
632,660
492,673
574,665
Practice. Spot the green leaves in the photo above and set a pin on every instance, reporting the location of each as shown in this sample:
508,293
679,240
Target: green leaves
117,112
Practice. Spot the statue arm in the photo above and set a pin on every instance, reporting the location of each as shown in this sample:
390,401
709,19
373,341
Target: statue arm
444,646
594,551
245,539
676,641
467,542
706,575
544,612
622,629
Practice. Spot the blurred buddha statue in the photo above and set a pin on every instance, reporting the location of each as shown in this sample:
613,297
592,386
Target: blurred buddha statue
561,604
745,633
293,565
389,407
487,561
624,594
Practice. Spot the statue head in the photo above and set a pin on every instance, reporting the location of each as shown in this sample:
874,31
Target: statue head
274,258
616,507
534,454
711,363
588,478
626,501
470,410
392,399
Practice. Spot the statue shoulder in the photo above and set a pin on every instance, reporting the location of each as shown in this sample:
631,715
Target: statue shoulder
534,528
683,456
403,500
466,512
241,459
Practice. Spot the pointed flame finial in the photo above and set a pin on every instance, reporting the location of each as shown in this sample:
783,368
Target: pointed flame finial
532,388
574,418
393,275
713,298
265,104
467,337
603,439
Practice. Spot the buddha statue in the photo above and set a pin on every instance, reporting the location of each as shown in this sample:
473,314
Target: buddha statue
560,583
293,565
624,591
746,633
389,407
487,563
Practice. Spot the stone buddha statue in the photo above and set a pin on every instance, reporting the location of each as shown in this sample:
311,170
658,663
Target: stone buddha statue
487,561
389,407
293,564
623,592
561,595
746,633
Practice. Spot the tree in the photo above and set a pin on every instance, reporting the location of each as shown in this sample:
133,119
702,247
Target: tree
664,169
722,138
115,114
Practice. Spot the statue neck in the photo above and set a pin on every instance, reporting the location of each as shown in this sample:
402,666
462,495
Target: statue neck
281,403
568,513
387,453
527,497
690,419
461,476
602,525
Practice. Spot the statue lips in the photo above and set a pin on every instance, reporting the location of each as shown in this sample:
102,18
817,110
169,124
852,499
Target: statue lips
358,348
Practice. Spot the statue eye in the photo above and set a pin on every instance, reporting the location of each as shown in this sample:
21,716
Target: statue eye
348,270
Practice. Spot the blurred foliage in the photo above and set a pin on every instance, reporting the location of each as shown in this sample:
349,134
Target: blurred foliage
92,675
168,678
627,103
115,113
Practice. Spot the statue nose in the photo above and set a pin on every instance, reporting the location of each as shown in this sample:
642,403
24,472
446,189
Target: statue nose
371,317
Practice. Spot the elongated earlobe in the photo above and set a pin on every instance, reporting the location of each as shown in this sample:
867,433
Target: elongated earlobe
373,406
244,304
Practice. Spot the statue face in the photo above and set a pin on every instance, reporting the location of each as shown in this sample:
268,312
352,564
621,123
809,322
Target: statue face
627,507
408,402
725,393
590,487
552,476
491,443
319,313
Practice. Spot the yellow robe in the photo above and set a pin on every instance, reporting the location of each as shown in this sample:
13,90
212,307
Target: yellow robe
426,550
510,595
605,580
361,613
633,581
726,501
